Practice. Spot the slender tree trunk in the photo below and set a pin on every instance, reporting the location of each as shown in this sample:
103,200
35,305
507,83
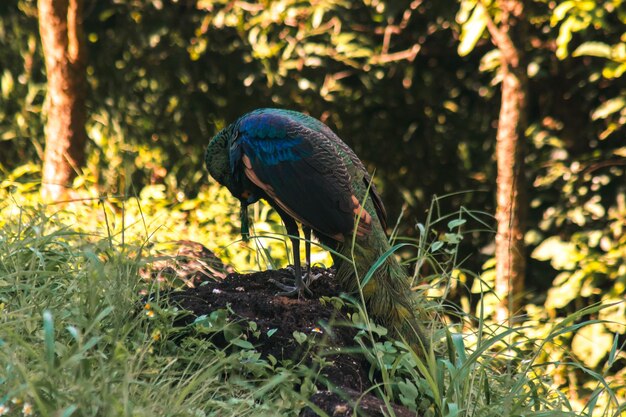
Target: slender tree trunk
61,29
510,193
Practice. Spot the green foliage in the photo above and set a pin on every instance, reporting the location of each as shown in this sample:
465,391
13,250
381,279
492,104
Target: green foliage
575,163
494,369
604,21
22,84
472,17
79,339
153,218
215,62
410,85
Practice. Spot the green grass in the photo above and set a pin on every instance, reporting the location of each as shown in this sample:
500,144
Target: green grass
489,369
77,338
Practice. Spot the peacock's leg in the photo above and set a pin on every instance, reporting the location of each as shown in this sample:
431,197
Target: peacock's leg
294,235
306,230
310,277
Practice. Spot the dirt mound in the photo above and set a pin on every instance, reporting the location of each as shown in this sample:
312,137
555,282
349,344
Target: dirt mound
252,297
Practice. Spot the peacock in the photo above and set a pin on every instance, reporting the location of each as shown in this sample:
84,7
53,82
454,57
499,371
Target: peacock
310,176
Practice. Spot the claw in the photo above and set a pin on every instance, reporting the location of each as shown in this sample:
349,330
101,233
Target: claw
300,288
310,277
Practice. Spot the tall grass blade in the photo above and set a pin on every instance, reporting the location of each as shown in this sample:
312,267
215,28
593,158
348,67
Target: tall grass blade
48,336
380,261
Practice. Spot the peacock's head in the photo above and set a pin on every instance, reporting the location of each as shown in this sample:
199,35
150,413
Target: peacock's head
217,157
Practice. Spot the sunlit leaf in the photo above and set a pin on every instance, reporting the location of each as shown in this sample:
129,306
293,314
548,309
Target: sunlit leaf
562,255
6,84
472,30
609,107
598,49
560,11
592,343
565,36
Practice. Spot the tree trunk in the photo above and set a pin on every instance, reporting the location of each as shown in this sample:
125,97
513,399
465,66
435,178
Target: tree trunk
510,193
60,26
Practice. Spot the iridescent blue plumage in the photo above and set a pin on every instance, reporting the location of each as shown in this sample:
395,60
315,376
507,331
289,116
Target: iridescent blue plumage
273,152
310,176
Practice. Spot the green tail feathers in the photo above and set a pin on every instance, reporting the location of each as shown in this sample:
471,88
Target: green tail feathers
388,296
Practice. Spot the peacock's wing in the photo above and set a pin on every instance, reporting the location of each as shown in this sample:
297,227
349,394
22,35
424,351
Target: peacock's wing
367,180
301,169
317,125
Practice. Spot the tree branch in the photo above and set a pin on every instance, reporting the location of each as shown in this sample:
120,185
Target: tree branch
501,39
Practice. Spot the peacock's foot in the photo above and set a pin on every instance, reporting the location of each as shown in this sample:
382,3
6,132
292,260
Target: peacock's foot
308,277
291,290
299,288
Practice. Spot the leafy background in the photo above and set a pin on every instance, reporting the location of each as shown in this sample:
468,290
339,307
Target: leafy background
412,86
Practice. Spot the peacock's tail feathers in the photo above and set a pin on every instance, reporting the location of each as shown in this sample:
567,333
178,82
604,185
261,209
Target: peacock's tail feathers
387,293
